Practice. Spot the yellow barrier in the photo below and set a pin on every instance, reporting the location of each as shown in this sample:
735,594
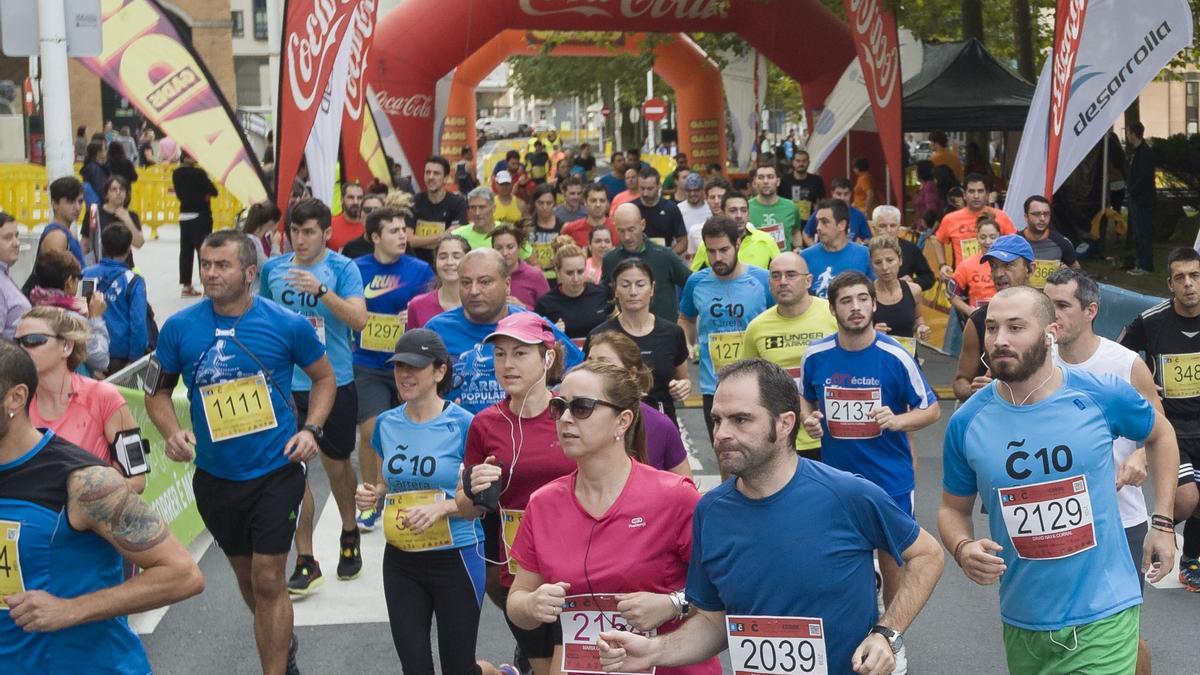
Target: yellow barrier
24,194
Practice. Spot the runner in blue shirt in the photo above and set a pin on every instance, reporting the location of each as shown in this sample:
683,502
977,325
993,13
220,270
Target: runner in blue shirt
834,253
391,279
236,353
719,302
326,289
781,507
483,287
858,229
1037,444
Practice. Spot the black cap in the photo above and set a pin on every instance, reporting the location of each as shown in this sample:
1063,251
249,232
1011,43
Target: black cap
419,348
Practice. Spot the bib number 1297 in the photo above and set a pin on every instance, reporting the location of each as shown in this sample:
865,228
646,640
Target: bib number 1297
770,645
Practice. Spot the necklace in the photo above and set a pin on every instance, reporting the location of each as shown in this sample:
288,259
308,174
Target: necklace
1012,397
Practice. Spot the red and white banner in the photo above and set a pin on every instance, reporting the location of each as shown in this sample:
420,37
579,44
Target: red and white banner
357,111
1103,58
873,28
312,34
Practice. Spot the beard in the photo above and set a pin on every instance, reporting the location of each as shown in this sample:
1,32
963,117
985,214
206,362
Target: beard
845,326
1027,363
721,269
751,459
353,212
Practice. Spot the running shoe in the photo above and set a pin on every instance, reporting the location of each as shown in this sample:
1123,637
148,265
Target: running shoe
367,519
307,576
1189,574
293,647
349,557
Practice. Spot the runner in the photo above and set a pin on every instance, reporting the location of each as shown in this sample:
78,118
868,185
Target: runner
542,229
443,297
664,222
719,302
249,478
663,345
913,265
390,281
833,253
510,209
858,230
326,289
957,228
973,277
527,282
664,445
613,538
68,522
768,212
695,211
667,268
1069,596
1051,250
600,242
435,210
432,564
1167,334
349,224
513,445
756,248
743,528
575,304
596,201
896,311
782,333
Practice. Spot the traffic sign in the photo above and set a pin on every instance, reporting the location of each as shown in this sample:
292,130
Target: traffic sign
606,111
654,109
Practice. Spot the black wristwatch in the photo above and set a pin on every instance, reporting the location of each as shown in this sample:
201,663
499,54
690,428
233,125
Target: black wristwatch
322,290
316,430
894,638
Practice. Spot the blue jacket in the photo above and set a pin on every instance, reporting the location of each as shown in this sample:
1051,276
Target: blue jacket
125,292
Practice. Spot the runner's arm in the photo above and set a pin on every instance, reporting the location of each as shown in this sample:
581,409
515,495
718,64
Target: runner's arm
161,409
689,330
122,420
919,418
968,362
1162,450
350,311
1142,380
324,389
701,637
923,562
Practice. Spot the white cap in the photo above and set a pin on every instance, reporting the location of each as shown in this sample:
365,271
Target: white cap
503,176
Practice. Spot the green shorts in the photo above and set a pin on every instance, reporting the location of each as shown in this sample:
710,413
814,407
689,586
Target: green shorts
1105,647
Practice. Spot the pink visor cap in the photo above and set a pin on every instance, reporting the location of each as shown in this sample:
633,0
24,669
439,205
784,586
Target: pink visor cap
526,327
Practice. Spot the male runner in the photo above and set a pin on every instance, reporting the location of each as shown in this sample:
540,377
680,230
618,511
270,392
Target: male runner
1051,250
757,248
800,186
348,225
770,214
782,333
913,265
236,353
1168,334
325,288
744,528
834,253
435,210
1037,444
719,302
858,229
957,229
596,200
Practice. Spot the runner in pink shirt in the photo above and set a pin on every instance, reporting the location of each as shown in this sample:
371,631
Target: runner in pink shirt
443,297
528,283
607,546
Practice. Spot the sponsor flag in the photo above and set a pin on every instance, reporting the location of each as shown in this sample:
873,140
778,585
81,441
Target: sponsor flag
354,122
873,27
370,150
321,151
1103,58
376,102
145,59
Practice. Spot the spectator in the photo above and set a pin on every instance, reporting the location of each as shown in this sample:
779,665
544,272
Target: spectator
125,294
262,226
128,144
195,192
58,275
13,303
928,197
864,189
95,170
119,164
943,155
147,154
66,203
114,208
81,143
1141,189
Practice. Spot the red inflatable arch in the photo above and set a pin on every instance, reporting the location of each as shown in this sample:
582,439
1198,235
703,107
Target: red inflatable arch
421,41
699,98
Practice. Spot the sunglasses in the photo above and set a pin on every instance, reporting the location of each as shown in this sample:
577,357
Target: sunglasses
581,407
33,340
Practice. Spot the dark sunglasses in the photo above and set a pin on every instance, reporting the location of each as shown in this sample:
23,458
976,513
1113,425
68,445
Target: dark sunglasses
581,407
33,340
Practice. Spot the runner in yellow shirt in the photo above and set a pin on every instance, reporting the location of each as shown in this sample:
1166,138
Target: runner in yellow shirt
757,248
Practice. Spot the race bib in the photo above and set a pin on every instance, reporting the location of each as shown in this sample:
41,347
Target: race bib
804,207
659,240
776,232
909,344
725,348
238,407
11,581
1042,269
381,332
773,645
543,255
318,324
583,618
969,247
1180,375
510,522
1049,520
396,504
850,412
430,228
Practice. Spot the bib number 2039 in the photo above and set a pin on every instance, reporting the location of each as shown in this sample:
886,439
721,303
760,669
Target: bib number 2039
760,645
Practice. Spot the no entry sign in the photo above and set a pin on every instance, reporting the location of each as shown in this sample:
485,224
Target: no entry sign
654,109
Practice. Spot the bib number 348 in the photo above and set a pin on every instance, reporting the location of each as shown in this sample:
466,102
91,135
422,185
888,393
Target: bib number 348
771,645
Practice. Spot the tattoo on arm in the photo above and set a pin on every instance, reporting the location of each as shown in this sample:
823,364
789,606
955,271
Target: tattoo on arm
106,500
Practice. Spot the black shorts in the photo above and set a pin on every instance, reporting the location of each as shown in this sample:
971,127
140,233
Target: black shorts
251,516
1189,460
341,434
1136,538
376,391
538,643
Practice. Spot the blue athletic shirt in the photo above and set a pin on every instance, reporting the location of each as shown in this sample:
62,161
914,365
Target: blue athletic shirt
805,551
282,340
724,306
846,386
341,275
426,456
992,444
64,562
824,265
388,290
475,385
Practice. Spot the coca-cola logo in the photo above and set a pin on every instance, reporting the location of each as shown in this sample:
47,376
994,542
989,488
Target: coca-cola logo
1064,64
880,54
630,9
360,45
311,49
415,105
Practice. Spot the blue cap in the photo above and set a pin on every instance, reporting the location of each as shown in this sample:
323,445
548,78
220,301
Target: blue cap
1008,248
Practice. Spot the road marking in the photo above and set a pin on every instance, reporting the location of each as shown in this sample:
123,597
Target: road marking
341,602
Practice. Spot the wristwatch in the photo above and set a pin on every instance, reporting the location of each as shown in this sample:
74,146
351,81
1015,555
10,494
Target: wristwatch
316,430
895,639
322,290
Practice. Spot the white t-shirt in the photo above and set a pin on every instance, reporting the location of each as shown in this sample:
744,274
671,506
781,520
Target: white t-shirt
1116,360
693,220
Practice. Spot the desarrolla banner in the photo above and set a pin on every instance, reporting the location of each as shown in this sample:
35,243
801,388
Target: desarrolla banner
145,60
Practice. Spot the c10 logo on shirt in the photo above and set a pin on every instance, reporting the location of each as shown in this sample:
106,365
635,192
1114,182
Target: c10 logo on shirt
735,310
1059,459
291,297
421,466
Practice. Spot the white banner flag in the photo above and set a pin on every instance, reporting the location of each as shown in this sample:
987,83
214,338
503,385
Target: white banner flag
1120,52
321,152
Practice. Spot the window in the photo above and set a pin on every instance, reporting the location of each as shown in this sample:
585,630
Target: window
238,24
260,19
1191,107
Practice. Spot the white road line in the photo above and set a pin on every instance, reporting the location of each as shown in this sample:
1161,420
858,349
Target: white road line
342,602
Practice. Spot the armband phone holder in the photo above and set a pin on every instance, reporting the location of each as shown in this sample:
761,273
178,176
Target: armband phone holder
131,452
155,379
489,499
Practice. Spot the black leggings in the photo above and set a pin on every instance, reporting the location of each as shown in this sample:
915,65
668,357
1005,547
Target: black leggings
419,585
191,234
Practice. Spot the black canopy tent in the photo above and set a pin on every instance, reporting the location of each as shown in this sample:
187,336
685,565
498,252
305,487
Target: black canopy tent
961,87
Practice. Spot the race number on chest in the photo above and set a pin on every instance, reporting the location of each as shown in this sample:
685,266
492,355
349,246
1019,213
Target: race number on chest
774,645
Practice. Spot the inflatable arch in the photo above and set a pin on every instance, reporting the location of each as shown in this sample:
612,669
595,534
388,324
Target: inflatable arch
421,41
699,97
